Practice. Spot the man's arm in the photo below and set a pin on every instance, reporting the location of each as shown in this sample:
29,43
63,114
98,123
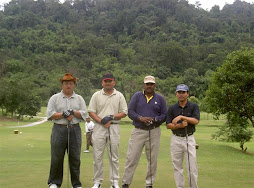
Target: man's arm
190,120
173,126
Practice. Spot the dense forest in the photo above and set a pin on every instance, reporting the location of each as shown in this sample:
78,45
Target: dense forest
171,39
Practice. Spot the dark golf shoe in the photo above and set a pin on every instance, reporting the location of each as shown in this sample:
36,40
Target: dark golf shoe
125,186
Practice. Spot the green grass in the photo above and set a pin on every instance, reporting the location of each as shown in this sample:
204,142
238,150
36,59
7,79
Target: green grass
25,159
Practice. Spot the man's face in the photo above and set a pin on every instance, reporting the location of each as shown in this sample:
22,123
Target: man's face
108,84
68,87
182,95
149,88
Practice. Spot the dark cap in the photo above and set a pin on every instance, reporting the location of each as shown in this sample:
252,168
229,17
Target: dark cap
182,87
108,76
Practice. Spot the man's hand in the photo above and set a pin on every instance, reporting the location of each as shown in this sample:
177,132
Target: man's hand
66,114
184,123
106,119
176,119
71,111
146,120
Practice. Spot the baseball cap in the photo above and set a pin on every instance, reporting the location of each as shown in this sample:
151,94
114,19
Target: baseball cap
149,79
108,76
182,87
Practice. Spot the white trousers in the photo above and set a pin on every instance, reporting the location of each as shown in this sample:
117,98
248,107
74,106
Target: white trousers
101,139
139,139
178,151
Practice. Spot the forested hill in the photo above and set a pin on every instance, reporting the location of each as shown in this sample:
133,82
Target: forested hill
170,39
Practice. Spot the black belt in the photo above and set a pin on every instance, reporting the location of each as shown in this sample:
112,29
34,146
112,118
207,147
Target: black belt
63,125
183,135
148,127
114,123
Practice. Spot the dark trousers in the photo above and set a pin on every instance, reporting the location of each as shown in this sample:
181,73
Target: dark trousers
88,140
59,144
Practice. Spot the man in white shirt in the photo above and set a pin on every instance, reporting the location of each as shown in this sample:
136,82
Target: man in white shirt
89,131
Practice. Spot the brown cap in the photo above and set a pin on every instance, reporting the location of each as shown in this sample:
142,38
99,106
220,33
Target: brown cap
68,77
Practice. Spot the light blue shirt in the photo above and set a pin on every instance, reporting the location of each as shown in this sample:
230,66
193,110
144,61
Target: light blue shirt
59,103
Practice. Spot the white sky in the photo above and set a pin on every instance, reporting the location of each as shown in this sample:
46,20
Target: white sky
205,4
208,4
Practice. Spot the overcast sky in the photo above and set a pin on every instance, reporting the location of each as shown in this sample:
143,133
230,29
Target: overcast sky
205,4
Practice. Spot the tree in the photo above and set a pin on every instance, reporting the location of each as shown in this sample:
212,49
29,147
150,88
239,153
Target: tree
232,92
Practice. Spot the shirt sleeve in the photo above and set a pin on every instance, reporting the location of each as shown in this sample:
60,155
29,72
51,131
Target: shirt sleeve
82,107
86,127
169,115
51,107
123,105
132,108
163,115
196,112
92,104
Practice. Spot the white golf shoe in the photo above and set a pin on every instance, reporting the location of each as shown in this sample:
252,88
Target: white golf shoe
96,185
115,185
53,186
86,151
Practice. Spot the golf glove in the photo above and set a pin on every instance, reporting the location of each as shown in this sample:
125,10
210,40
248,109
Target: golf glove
106,119
71,111
66,114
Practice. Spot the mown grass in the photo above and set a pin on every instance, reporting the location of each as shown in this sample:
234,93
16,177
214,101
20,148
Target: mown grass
25,159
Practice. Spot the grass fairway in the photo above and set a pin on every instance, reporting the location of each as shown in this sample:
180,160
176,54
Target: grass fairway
25,159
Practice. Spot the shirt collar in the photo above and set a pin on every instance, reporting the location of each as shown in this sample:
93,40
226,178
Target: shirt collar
103,92
64,96
187,104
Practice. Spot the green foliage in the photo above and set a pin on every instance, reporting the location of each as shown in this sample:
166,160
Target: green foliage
232,93
172,40
17,98
232,89
235,130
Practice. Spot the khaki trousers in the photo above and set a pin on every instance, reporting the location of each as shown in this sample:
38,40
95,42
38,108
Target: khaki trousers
178,151
101,139
139,139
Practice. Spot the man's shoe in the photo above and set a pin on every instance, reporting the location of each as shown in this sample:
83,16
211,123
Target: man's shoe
53,186
149,186
125,186
86,151
115,185
96,185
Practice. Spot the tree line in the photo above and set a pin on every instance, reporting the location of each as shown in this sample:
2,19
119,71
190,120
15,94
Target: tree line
170,39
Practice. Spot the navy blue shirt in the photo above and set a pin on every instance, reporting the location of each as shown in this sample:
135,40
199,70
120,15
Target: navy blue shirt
190,110
155,108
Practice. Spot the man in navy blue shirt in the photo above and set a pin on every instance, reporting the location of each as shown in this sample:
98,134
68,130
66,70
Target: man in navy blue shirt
148,111
182,118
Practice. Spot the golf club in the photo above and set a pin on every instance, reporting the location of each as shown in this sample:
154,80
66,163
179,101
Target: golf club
150,155
109,139
188,155
68,152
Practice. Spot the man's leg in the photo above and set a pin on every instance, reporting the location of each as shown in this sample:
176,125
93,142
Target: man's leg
74,153
98,153
113,144
136,144
88,140
155,144
58,147
177,151
193,162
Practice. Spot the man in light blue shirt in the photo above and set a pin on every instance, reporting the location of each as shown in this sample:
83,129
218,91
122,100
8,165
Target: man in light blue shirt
66,109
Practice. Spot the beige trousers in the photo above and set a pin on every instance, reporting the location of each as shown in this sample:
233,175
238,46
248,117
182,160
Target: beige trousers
139,139
102,139
178,152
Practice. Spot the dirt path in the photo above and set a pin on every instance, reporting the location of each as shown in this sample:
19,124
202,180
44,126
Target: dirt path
44,119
